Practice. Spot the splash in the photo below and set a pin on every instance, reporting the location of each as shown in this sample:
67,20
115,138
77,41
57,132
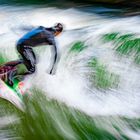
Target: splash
76,83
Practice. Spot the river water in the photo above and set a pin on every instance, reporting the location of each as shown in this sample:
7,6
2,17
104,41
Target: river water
71,83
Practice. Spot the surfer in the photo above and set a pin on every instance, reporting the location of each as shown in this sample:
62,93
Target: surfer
36,37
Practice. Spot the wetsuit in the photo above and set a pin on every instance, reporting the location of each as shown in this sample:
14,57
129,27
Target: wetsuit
8,70
36,37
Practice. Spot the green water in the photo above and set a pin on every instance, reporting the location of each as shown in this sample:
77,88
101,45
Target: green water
108,63
48,119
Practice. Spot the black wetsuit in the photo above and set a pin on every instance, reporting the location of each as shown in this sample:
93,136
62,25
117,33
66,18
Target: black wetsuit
36,37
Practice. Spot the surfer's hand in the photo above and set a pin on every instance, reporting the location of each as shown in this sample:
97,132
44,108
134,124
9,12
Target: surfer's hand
52,72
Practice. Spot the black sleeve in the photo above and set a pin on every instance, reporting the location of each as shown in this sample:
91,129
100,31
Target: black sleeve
54,55
54,59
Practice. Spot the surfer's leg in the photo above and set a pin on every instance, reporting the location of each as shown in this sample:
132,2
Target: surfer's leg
10,77
13,63
29,59
11,71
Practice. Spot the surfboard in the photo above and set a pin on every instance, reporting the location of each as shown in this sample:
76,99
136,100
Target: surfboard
13,95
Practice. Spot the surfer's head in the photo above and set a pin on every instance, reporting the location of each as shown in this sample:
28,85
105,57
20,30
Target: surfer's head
58,28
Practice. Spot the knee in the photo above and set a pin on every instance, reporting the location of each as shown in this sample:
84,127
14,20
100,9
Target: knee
19,48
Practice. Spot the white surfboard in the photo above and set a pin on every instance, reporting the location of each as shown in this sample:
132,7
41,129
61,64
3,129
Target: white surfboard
11,95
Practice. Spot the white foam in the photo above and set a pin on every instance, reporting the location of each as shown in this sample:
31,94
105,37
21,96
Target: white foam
70,84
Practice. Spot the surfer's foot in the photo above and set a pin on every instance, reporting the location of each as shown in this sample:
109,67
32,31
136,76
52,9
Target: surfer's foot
10,83
10,77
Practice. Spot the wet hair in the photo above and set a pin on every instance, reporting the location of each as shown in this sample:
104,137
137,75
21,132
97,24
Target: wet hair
58,27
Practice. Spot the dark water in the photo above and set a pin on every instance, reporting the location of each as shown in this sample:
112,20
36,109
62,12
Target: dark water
85,6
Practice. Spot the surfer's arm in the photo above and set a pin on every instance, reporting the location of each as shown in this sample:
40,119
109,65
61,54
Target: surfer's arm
50,40
54,58
54,55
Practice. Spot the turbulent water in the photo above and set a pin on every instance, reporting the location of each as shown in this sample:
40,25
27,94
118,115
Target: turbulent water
72,82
